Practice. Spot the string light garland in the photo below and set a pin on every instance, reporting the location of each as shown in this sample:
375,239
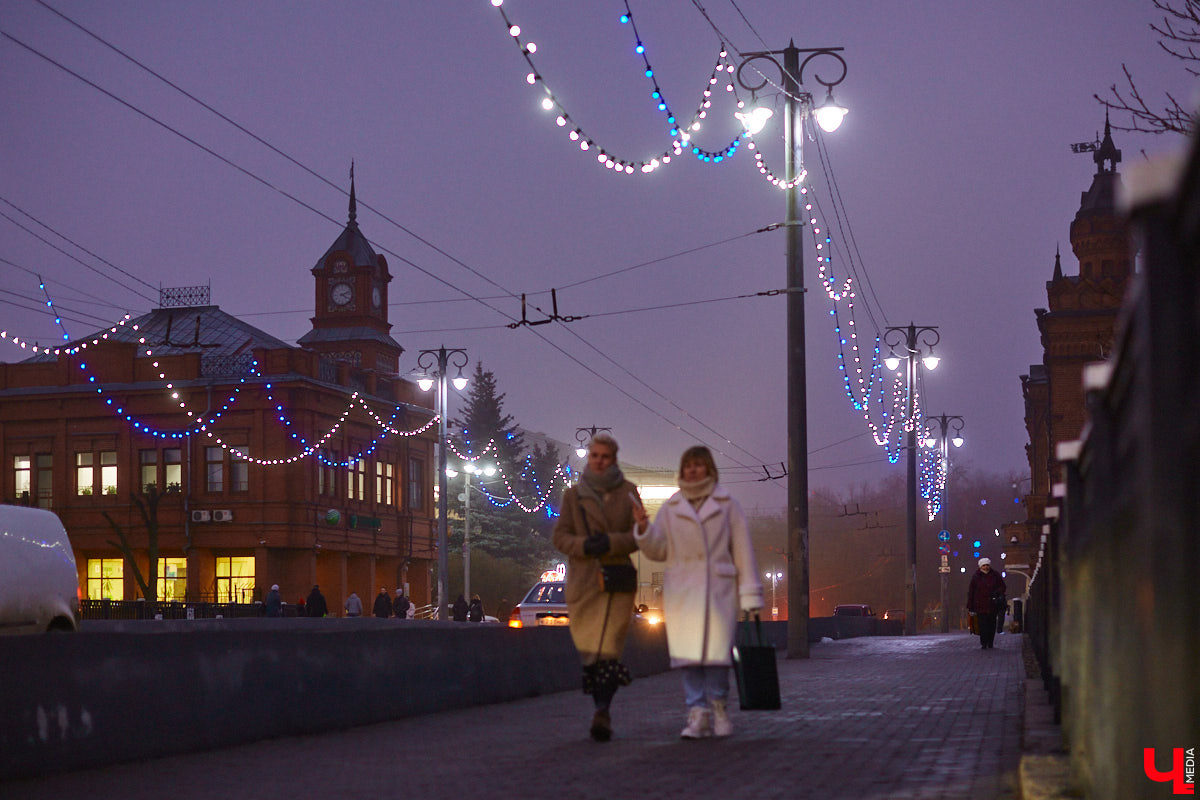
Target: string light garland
50,305
25,344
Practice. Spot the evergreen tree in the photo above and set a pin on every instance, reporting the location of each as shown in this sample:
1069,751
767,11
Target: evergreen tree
484,419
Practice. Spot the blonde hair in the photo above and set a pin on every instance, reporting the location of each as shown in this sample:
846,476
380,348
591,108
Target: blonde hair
703,455
605,438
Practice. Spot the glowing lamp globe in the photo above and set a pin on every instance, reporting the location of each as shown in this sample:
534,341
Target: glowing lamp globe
425,382
755,119
829,114
931,361
892,362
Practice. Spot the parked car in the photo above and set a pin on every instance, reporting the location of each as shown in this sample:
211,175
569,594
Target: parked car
545,604
39,585
853,610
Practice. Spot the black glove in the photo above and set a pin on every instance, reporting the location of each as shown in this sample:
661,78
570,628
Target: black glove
596,545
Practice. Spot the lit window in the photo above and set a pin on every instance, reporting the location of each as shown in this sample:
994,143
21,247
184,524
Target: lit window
356,480
106,579
173,469
21,477
148,461
172,579
214,463
84,473
235,579
108,472
385,477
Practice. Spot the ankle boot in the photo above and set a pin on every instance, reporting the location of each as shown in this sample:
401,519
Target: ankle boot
699,724
601,725
722,726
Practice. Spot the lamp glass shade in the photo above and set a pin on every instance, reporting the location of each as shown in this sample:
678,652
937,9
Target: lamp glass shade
426,383
957,441
930,442
581,451
460,383
892,362
755,119
829,114
489,471
931,361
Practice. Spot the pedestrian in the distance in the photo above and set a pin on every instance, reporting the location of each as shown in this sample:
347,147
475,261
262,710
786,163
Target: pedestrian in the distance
985,598
400,605
316,603
273,605
701,534
475,609
595,528
353,605
383,604
459,609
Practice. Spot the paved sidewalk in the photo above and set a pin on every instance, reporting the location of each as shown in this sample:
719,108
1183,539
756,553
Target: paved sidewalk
930,716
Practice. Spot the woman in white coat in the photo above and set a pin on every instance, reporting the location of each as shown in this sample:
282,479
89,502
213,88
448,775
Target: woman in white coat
701,534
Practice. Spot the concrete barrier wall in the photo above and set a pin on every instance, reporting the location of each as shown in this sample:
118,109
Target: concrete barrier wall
126,691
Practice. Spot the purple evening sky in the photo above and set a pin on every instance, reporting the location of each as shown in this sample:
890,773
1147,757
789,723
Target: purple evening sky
953,165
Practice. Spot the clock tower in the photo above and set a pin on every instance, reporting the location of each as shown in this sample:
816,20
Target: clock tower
350,321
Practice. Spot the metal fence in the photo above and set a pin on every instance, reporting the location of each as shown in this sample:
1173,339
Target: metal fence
143,609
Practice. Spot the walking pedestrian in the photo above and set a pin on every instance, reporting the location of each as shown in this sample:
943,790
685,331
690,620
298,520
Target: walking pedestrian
316,603
383,604
701,534
353,605
986,597
475,609
401,605
273,605
459,609
595,530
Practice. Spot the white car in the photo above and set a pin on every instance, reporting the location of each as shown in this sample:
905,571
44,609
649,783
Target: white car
545,604
39,585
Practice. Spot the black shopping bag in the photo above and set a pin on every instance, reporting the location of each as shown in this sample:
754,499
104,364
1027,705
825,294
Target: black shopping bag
754,665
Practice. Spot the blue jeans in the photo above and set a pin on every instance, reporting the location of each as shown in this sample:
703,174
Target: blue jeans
702,685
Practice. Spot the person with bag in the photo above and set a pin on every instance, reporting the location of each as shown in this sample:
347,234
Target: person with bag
985,597
595,532
701,534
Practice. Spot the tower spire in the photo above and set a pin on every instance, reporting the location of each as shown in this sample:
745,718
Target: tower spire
353,205
1057,263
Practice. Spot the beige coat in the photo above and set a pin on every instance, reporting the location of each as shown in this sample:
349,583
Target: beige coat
710,574
587,602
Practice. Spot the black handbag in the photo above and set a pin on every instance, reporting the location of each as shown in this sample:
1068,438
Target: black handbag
619,577
754,665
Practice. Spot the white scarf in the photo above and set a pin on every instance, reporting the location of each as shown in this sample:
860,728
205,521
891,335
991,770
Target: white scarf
696,492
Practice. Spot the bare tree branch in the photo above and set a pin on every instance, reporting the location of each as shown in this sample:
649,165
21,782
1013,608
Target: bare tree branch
1180,29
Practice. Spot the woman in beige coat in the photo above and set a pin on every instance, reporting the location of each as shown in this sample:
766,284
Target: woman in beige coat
701,534
596,527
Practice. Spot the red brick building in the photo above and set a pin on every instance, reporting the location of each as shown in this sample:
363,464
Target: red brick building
270,464
1076,329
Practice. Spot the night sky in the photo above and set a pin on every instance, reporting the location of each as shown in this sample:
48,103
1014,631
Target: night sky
953,167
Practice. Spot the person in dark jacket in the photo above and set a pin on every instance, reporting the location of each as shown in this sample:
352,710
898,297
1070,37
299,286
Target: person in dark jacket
460,608
273,605
383,604
986,597
475,610
316,603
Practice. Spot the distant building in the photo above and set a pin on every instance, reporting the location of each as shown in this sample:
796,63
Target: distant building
267,463
1077,329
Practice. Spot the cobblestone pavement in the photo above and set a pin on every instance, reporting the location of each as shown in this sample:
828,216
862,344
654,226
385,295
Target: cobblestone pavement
929,716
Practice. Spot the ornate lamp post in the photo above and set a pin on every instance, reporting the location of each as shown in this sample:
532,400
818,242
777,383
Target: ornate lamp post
950,428
797,104
469,469
434,364
584,437
911,339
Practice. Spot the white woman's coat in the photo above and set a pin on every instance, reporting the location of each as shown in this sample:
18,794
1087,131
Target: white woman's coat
710,573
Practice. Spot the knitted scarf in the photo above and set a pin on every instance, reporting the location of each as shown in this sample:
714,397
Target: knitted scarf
696,492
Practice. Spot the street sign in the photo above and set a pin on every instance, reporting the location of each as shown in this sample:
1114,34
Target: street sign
944,536
945,561
943,569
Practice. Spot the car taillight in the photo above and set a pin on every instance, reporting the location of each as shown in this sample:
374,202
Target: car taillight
514,619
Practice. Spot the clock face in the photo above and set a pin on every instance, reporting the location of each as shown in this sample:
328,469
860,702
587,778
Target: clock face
342,293
376,297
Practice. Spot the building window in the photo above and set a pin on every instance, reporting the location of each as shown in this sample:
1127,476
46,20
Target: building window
148,465
356,480
385,477
21,478
416,484
214,463
45,479
172,579
235,579
84,473
326,474
108,472
173,469
239,470
106,579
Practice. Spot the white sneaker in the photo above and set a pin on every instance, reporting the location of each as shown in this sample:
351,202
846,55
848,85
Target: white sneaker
699,724
722,726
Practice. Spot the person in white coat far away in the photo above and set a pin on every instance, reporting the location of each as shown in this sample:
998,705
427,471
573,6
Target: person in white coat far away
701,534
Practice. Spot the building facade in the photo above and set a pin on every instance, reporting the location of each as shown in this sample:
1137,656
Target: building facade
238,460
1077,328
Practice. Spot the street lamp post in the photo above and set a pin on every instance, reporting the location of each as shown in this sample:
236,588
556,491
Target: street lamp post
946,424
911,338
774,578
584,437
796,103
439,361
468,470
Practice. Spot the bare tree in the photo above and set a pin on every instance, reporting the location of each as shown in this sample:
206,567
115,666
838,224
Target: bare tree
148,509
1179,34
